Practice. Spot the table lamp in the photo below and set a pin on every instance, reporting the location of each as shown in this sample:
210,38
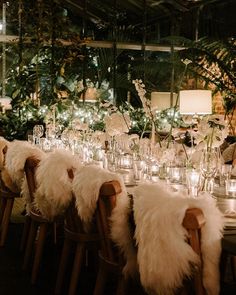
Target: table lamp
193,102
162,100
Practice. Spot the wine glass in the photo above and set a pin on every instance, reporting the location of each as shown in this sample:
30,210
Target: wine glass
38,131
208,166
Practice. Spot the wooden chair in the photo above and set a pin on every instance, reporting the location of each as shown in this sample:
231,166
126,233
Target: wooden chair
110,258
193,222
36,225
228,253
111,261
74,235
7,201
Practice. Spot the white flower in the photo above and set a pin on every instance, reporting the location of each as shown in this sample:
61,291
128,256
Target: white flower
140,87
212,131
117,123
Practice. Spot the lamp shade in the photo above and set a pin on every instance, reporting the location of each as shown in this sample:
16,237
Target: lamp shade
162,100
90,94
195,102
5,103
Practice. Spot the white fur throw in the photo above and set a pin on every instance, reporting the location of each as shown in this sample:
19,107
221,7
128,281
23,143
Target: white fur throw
17,153
3,143
54,187
86,186
164,257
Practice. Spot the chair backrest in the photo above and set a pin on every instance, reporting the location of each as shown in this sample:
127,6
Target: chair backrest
193,222
73,223
74,226
106,203
31,165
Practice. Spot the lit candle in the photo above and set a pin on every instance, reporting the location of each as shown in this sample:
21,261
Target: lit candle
231,187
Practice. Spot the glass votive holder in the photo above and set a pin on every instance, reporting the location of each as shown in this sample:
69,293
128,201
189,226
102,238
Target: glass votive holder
176,174
230,188
193,182
126,161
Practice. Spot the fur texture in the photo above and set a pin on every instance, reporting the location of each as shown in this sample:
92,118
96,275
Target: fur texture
54,186
17,153
86,187
5,176
164,258
3,144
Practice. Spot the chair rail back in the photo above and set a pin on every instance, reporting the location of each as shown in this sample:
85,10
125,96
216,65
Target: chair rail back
30,167
106,203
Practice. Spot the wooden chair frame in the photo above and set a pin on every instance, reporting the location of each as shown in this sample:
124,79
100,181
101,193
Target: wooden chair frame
7,198
112,261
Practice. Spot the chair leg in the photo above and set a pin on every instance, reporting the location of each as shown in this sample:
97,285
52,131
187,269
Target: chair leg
121,286
78,260
101,280
63,264
25,233
233,266
2,208
39,251
6,220
29,245
223,265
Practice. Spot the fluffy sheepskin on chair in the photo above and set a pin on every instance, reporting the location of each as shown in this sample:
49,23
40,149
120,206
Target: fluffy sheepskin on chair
54,186
164,257
86,187
17,153
5,177
3,146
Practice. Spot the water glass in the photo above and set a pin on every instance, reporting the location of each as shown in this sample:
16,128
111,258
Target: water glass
138,169
225,173
193,182
38,131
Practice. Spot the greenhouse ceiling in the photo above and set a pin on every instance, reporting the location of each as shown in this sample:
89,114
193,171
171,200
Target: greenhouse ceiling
188,18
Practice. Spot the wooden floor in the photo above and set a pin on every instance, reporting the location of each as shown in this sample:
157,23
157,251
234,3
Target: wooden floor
13,281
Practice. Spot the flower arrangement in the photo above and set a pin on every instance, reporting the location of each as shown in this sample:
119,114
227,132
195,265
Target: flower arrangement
117,123
212,130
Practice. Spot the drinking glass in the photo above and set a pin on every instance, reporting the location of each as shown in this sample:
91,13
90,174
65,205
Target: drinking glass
208,166
230,185
193,182
225,173
138,168
38,131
